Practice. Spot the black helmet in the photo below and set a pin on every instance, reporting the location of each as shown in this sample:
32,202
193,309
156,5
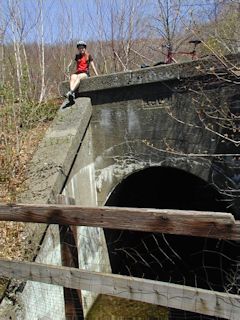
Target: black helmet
81,44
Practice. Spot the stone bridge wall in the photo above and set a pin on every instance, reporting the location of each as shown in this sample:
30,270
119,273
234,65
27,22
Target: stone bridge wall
153,120
139,119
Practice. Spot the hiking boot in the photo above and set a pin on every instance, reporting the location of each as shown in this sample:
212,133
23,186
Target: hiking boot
71,96
67,94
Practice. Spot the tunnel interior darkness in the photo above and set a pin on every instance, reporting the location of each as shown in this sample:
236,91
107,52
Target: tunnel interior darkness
193,261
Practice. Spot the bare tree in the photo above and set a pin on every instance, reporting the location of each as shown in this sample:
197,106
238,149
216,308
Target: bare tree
16,28
3,25
220,30
41,51
119,31
167,21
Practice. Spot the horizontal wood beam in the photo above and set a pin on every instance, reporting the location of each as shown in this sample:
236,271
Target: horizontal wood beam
170,295
193,223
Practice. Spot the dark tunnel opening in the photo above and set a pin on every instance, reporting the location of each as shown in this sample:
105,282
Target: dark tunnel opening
192,261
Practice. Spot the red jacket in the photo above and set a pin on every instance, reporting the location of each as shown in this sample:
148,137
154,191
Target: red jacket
83,62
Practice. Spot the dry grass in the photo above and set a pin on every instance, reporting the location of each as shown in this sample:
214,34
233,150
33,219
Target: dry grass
18,144
12,234
17,152
15,160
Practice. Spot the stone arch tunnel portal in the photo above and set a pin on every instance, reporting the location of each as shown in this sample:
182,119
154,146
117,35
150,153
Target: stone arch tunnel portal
193,261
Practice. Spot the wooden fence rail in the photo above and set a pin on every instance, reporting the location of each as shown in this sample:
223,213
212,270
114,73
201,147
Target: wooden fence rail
193,223
170,295
182,222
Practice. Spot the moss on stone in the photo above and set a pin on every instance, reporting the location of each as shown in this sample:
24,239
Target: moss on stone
113,308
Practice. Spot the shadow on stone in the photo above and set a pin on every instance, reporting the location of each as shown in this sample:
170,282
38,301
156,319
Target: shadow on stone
67,104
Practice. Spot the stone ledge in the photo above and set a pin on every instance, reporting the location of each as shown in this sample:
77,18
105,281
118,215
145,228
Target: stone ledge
50,166
65,134
150,75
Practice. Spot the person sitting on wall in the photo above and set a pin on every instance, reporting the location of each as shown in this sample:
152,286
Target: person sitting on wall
83,61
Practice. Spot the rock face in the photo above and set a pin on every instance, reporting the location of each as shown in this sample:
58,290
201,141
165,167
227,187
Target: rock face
184,117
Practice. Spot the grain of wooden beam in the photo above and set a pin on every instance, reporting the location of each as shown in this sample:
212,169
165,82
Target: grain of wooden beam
69,255
170,295
193,223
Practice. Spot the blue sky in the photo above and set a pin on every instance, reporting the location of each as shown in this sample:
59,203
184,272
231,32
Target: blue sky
68,20
63,19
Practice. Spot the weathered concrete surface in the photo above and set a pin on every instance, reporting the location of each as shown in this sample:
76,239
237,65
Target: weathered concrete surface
156,124
51,163
161,73
92,249
153,124
42,301
37,300
47,175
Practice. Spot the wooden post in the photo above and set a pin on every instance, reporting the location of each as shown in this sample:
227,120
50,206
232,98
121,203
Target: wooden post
69,253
